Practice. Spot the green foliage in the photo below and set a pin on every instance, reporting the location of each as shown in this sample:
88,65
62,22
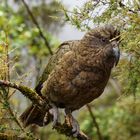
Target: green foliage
126,120
118,122
23,36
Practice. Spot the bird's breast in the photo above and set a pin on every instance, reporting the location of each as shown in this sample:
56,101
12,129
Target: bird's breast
74,83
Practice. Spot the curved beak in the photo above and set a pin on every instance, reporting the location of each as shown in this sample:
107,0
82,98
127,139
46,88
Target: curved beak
116,51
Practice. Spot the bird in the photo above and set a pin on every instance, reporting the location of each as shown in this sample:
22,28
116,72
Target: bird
75,75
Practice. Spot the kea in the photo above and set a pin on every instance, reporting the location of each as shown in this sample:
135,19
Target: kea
75,75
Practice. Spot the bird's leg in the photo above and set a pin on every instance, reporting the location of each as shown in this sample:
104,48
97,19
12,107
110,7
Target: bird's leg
55,113
45,120
73,122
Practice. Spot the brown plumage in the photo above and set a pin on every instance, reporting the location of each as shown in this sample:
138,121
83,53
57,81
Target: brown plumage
78,72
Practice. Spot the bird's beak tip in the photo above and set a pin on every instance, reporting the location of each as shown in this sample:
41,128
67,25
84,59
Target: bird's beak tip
117,55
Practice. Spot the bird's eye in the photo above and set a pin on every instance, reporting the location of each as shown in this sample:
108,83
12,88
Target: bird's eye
103,39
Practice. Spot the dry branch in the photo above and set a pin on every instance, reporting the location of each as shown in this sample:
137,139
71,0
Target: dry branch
95,122
38,27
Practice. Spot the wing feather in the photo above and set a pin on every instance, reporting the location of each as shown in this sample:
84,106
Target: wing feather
53,61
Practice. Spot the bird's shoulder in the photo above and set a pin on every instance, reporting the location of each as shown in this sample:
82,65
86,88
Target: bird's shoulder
63,48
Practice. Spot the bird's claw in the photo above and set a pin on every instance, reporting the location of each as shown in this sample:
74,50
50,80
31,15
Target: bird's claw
55,114
71,121
75,127
45,120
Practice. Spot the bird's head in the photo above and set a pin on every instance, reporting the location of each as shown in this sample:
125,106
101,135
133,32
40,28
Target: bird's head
104,37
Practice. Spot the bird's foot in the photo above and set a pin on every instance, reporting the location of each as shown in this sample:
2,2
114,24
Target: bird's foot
55,113
45,120
70,120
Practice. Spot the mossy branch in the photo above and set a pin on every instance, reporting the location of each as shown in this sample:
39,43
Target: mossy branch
42,104
26,91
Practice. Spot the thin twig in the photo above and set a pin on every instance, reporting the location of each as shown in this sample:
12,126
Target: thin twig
18,122
38,27
95,122
122,5
7,58
11,94
15,118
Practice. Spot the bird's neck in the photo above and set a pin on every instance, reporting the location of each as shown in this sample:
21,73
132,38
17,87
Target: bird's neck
91,57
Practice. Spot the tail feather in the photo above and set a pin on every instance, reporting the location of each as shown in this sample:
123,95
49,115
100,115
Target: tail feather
33,115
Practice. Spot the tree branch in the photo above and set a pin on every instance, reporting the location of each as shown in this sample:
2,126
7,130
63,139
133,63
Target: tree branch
26,91
95,122
43,104
67,130
38,27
